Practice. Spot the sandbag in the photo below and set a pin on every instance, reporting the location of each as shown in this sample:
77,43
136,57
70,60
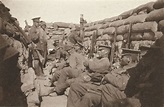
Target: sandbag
136,36
119,38
158,35
99,38
144,27
86,25
61,24
123,29
89,33
148,36
126,14
161,24
104,26
147,6
136,19
91,28
158,4
111,19
125,36
117,23
109,30
156,15
106,37
99,22
100,32
57,32
28,80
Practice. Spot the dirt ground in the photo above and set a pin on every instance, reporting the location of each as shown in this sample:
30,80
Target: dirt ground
58,101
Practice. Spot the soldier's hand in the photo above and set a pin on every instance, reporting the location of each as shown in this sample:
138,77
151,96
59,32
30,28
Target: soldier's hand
30,46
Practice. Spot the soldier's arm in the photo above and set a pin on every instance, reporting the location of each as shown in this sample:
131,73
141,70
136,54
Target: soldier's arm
72,62
119,81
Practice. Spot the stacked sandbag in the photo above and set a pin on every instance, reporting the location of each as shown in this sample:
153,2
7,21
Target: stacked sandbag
158,4
156,15
144,27
57,31
91,28
136,19
142,21
63,25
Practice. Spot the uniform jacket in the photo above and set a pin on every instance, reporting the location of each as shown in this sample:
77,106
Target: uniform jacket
76,61
99,66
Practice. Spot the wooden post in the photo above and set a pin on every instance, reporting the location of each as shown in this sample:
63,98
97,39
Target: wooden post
82,27
93,41
129,36
113,47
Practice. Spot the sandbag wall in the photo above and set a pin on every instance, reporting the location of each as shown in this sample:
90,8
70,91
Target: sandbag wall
145,20
57,31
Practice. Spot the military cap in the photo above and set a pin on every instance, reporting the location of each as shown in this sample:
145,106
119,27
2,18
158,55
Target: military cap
149,47
131,51
36,19
42,23
101,47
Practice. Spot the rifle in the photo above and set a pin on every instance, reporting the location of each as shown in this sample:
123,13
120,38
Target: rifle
27,27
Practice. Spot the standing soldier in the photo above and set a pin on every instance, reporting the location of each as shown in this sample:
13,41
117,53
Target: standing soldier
34,35
82,21
43,41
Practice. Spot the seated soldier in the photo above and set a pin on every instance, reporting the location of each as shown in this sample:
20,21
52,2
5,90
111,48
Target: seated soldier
74,69
100,64
89,95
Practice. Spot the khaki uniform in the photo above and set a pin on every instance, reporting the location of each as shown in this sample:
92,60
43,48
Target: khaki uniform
73,71
99,66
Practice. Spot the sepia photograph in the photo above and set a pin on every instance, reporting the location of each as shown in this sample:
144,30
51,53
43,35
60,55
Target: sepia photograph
81,53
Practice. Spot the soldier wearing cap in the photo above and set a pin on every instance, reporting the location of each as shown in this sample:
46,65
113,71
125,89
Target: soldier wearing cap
109,93
75,68
100,64
34,35
43,41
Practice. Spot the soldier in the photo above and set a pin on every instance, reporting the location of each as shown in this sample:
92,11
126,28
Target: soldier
43,41
74,69
34,35
74,36
89,95
101,65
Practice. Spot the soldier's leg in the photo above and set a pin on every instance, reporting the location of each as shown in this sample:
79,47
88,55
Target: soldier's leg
66,73
37,68
56,76
110,94
77,92
90,100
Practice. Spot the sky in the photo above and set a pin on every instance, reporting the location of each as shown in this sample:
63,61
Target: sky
69,10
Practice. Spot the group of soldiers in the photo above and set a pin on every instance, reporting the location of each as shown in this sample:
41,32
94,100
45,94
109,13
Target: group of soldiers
104,79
